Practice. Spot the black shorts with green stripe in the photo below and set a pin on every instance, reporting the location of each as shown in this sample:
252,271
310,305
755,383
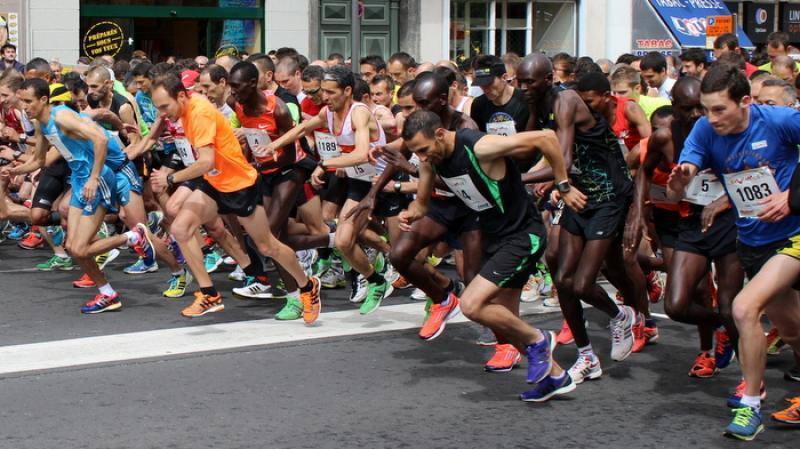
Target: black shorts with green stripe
511,260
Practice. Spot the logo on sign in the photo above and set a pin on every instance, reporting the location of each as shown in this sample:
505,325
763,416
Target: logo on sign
761,16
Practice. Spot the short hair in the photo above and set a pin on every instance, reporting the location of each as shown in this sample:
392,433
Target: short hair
727,41
784,62
383,79
12,79
144,69
284,52
662,112
512,59
440,84
263,62
567,59
76,85
375,61
487,62
407,88
313,73
727,78
405,59
447,73
778,39
587,68
757,74
789,92
288,65
171,83
302,62
626,74
216,73
38,64
696,56
338,57
39,86
627,58
248,69
421,121
360,88
164,68
731,58
654,61
341,75
99,71
594,81
8,45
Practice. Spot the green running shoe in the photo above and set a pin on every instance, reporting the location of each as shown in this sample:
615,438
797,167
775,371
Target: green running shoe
293,310
375,294
56,263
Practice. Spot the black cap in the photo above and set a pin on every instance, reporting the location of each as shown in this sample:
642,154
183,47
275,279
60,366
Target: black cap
485,76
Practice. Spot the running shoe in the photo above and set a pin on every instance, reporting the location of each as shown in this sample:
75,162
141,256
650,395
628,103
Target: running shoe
312,305
585,368
793,374
203,304
790,415
56,263
32,240
622,334
735,399
565,334
434,261
400,283
102,260
154,220
306,258
549,387
140,267
450,259
228,260
505,358
438,317
178,284
144,248
546,284
253,289
84,282
655,287
18,231
486,337
419,295
359,288
237,274
333,278
746,424
375,295
723,350
704,366
102,303
321,265
293,310
212,261
540,357
552,300
530,292
639,339
774,342
650,333
428,305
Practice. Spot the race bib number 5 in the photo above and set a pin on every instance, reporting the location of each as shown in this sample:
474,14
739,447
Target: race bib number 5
704,189
748,188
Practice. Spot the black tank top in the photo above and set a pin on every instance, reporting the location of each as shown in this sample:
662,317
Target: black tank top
117,102
503,206
598,165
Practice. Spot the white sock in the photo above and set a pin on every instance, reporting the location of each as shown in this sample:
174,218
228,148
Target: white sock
331,239
295,294
133,238
751,401
587,352
179,272
446,302
62,254
106,290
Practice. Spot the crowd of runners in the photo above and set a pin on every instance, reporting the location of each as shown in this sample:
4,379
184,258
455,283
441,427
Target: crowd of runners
673,179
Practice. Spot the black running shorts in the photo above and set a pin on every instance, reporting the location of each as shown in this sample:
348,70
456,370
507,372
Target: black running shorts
511,260
718,241
241,202
598,222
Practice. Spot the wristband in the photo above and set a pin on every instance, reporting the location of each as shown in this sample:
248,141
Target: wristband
170,181
398,186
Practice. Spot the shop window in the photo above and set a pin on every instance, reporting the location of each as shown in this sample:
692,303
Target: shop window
178,3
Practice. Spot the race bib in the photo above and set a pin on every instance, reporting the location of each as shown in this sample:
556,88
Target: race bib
364,172
256,137
115,138
185,151
327,147
748,188
56,141
658,195
704,189
466,190
505,128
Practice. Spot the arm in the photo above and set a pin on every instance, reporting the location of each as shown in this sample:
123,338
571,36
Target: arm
360,118
385,119
286,155
565,111
637,118
300,130
204,164
72,125
419,206
37,161
127,116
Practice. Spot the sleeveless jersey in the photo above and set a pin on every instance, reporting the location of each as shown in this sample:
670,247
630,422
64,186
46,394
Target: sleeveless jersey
598,166
346,137
266,122
622,127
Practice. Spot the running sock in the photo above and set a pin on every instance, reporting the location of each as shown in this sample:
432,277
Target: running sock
620,314
561,377
293,294
106,290
253,271
180,272
62,254
209,291
375,278
133,238
751,401
308,287
586,351
331,239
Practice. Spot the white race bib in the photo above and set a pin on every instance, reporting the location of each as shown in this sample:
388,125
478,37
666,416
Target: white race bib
704,189
327,147
505,128
185,151
658,195
466,190
56,141
256,137
364,172
748,188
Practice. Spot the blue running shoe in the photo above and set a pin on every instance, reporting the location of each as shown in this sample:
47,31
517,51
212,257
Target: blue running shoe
735,399
549,387
154,219
18,231
746,424
101,303
540,358
144,248
140,267
212,262
723,350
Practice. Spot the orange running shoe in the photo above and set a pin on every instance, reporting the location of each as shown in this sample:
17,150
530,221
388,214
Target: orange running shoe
639,337
774,342
505,358
312,304
83,282
33,240
790,415
203,304
565,334
438,316
400,283
650,333
704,366
655,287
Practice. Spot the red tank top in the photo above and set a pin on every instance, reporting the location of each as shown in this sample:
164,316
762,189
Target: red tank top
622,127
659,178
266,122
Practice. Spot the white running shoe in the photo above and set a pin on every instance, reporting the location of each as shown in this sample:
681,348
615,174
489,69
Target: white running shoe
359,294
391,274
530,292
104,259
622,334
254,290
419,295
237,274
585,368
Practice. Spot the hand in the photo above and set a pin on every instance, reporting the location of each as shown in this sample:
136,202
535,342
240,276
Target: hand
11,134
6,173
632,235
397,159
679,178
410,215
541,188
776,207
240,136
318,177
365,206
6,153
555,197
341,173
158,181
89,189
374,153
264,152
712,211
574,199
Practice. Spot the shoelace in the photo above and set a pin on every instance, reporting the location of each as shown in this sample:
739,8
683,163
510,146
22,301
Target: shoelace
721,342
616,330
742,416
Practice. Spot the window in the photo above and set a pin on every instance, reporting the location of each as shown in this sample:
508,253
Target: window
519,26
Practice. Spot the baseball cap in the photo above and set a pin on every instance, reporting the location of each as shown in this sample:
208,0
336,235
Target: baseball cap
189,78
485,76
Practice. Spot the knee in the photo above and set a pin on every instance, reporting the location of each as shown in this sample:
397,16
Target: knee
469,307
563,281
79,251
744,313
182,230
582,288
401,256
674,308
344,240
38,216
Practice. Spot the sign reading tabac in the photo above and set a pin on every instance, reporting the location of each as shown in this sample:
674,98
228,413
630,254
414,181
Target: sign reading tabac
717,26
103,38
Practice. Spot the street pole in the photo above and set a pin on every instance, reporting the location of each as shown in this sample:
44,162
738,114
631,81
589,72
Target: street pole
355,33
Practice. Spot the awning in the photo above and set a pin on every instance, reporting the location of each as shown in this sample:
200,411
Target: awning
687,20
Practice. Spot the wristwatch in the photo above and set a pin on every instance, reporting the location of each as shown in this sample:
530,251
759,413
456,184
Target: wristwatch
23,138
170,181
563,186
398,186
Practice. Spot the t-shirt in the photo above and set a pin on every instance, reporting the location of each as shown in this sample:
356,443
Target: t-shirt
770,140
205,126
650,104
508,119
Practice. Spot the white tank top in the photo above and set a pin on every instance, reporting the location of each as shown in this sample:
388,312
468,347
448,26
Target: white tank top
462,103
346,139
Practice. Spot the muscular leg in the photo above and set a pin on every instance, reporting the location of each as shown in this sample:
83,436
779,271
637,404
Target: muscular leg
196,210
257,227
347,237
681,303
730,278
278,207
633,285
82,230
403,256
